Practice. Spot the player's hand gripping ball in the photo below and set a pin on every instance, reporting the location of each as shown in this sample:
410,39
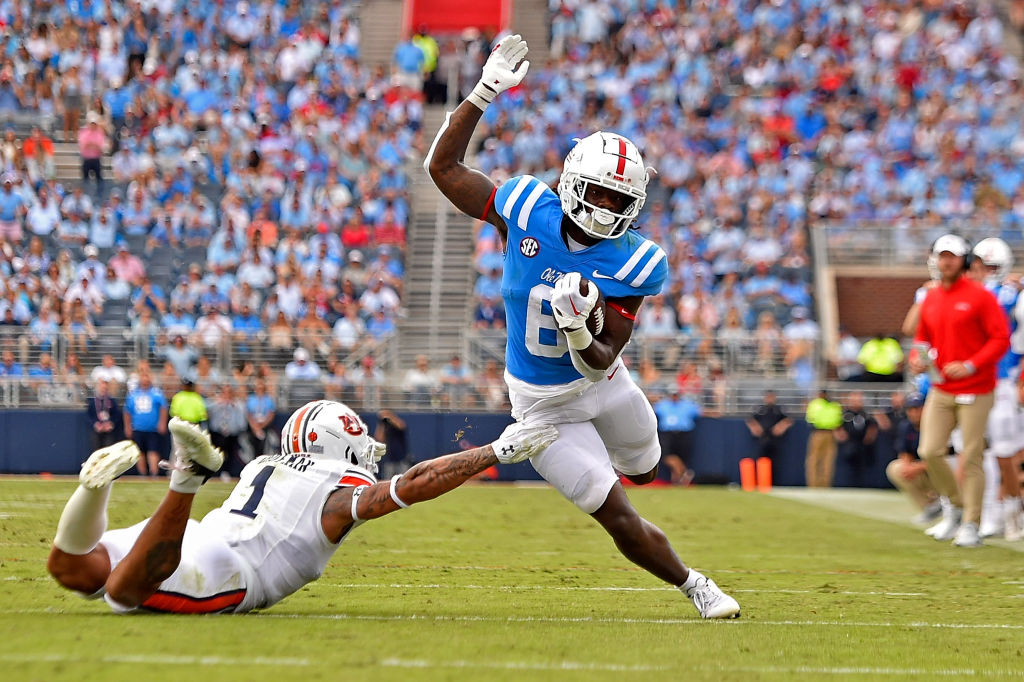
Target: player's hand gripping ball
576,302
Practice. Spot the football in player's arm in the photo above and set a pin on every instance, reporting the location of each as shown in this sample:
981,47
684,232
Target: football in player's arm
274,533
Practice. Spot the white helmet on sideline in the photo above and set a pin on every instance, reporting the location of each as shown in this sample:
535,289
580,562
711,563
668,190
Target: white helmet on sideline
331,430
610,161
995,253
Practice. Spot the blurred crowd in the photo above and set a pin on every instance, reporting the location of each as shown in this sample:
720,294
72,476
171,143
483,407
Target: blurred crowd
256,195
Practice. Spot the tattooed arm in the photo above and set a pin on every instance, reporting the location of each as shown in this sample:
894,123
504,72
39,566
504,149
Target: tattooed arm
432,478
468,189
471,191
422,482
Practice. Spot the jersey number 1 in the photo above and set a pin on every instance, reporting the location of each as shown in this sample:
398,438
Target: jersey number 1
537,319
258,484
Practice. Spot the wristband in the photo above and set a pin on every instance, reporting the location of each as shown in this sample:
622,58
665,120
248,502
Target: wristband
356,494
481,96
579,338
394,493
969,366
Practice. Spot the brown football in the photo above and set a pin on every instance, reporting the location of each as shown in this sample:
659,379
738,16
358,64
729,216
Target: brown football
595,321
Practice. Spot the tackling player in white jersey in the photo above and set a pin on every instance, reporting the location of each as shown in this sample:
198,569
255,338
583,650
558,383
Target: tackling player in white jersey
557,370
274,534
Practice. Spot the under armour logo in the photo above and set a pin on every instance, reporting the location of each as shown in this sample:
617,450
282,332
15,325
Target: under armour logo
508,450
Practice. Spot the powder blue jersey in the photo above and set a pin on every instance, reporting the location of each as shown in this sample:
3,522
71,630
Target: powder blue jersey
536,351
1007,296
143,405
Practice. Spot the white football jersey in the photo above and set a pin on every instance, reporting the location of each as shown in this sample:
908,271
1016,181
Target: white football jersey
272,519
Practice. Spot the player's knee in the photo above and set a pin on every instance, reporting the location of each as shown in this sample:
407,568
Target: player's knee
67,570
620,520
644,479
57,565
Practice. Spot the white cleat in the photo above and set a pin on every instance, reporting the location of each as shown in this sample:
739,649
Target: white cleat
193,449
711,602
106,464
992,529
967,536
945,530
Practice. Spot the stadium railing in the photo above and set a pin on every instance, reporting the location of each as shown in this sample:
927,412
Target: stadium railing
746,372
904,242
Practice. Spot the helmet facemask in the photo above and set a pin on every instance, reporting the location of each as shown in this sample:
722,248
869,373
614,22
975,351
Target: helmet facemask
609,161
598,222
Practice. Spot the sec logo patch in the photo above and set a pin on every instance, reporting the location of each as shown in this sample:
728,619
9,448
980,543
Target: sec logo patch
529,247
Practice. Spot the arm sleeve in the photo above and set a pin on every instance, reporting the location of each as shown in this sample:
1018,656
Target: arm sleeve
583,368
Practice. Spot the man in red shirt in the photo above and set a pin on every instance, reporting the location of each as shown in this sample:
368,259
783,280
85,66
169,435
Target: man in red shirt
960,338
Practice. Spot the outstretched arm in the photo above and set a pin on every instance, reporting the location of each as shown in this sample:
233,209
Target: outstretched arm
431,478
468,189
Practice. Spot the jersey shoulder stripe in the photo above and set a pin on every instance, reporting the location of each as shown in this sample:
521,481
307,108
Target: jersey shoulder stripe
517,198
355,478
645,273
638,269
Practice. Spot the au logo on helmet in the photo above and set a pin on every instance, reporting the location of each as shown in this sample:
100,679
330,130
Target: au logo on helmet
351,424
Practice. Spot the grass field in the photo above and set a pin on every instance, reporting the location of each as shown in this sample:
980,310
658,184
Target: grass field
507,583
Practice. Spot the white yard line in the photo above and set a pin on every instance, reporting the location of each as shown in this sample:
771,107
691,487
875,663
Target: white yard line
519,665
576,588
544,619
153,659
780,670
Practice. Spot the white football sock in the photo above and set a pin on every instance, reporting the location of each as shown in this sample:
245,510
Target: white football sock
691,580
83,521
185,481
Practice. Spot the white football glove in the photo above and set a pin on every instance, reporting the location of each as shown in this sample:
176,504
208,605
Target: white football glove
570,307
500,72
520,441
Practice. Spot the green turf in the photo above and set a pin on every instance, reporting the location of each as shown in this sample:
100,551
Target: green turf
499,583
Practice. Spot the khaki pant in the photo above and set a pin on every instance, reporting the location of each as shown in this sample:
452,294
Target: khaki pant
920,489
821,459
942,412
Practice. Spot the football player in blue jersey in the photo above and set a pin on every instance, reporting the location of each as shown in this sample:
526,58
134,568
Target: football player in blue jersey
558,371
992,263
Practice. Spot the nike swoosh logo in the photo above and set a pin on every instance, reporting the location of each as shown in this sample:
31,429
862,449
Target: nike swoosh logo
613,372
574,311
598,275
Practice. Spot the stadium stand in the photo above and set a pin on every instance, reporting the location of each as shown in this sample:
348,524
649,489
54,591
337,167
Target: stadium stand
234,142
257,164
